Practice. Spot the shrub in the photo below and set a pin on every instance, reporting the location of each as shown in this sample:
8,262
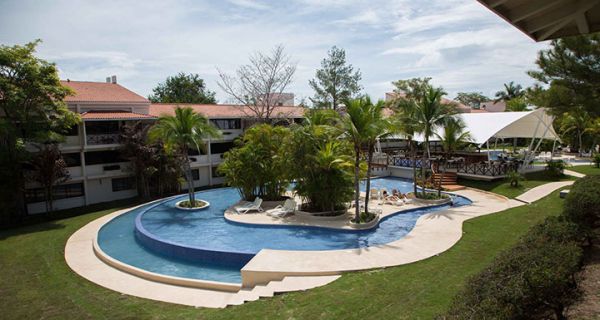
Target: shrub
582,205
596,160
533,279
514,177
556,167
257,166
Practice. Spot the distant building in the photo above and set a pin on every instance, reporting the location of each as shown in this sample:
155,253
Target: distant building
98,173
491,106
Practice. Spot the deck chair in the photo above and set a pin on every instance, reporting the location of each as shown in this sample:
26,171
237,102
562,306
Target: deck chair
249,206
288,207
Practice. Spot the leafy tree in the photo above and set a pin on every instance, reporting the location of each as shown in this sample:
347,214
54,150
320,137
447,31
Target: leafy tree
516,104
411,89
258,166
570,68
48,169
402,123
454,136
259,84
576,121
179,133
511,91
472,99
183,88
135,148
336,81
31,100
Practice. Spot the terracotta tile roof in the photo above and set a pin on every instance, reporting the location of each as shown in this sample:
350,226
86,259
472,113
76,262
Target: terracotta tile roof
101,92
215,111
114,115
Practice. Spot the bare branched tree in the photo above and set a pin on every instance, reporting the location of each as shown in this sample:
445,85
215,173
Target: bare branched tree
260,83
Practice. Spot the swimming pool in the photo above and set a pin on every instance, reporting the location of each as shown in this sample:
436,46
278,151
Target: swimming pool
208,229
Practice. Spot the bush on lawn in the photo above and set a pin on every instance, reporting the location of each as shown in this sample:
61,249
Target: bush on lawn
556,167
582,205
533,279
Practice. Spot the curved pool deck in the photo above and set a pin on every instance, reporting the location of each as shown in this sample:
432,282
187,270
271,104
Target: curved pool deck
273,271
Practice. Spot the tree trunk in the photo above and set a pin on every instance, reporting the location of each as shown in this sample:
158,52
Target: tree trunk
356,186
413,153
426,156
580,135
368,187
188,177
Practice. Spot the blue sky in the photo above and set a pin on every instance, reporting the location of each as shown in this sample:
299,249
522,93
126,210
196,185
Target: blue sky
459,43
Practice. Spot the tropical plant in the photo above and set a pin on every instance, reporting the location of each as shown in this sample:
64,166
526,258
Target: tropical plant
596,160
179,133
556,167
48,169
182,88
402,123
454,136
516,104
361,124
575,122
134,138
257,166
514,177
335,82
511,91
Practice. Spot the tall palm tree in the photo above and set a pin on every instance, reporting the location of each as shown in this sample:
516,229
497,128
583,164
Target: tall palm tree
402,123
576,121
359,125
453,137
179,133
379,127
511,91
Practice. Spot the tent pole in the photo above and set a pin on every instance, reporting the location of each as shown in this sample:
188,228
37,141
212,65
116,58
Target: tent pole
487,143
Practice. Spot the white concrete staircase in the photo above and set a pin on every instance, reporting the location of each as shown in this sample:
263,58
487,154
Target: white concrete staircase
287,284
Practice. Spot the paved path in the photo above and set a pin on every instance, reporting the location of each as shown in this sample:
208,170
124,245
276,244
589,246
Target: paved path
536,193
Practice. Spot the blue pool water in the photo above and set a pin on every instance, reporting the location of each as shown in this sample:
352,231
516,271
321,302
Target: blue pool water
208,229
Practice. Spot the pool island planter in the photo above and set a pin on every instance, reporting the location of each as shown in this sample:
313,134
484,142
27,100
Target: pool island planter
178,206
432,201
322,216
366,225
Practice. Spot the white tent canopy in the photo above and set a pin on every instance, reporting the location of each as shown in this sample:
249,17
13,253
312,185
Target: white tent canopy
484,126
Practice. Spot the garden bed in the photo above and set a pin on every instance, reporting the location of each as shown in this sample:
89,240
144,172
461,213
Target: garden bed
185,205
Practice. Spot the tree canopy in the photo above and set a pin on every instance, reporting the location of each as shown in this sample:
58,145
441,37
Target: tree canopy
571,68
183,88
472,99
510,91
336,81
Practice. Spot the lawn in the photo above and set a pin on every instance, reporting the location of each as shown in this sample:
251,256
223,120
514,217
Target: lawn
36,282
502,186
586,169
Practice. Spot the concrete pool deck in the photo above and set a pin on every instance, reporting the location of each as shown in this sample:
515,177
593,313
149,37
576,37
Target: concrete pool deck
272,271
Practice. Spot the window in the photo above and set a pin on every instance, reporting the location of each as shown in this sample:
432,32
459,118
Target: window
120,184
59,192
215,172
220,147
227,124
100,157
195,174
101,127
72,159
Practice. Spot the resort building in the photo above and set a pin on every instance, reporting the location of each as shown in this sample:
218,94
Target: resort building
92,150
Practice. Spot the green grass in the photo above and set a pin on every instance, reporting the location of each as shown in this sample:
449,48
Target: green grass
585,169
502,186
36,282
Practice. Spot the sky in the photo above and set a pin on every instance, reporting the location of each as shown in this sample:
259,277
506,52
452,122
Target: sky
460,44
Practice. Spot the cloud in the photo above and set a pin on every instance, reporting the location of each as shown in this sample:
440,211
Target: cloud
459,43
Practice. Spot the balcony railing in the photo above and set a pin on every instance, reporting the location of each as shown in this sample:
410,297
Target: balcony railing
96,139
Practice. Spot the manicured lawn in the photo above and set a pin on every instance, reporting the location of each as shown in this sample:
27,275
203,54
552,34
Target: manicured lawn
37,283
502,186
585,169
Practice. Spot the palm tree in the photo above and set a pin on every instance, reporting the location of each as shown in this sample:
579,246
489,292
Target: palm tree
453,137
403,124
360,124
379,126
179,133
576,121
510,92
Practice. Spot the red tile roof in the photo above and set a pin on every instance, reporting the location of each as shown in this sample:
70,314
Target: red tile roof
114,115
101,92
215,111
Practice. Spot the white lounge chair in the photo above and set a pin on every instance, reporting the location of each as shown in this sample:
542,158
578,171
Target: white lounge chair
249,206
289,207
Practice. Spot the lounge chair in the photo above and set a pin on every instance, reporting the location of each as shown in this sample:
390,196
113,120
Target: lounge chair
393,200
288,207
374,194
249,206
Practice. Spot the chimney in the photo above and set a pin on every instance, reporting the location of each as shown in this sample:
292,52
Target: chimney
113,79
107,79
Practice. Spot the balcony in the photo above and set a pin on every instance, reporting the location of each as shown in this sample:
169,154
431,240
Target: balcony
99,139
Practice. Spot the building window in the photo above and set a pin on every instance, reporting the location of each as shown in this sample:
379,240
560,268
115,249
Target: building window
58,192
215,172
100,157
120,184
72,159
227,124
220,147
195,174
101,127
